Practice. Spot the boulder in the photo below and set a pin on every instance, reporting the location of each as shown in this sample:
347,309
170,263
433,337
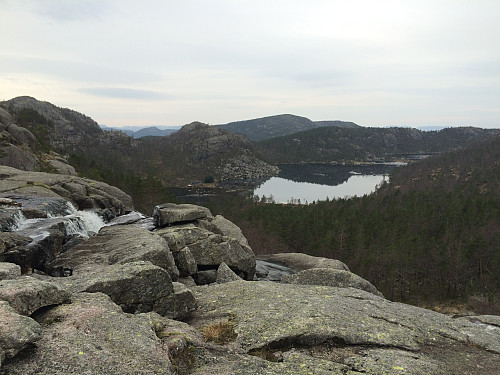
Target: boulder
136,286
330,277
93,336
170,213
300,261
226,274
26,294
118,244
9,271
181,303
16,331
185,262
210,249
322,330
220,225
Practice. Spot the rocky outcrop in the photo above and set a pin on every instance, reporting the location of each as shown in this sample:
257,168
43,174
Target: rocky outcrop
82,192
283,328
19,148
118,245
331,277
228,157
200,243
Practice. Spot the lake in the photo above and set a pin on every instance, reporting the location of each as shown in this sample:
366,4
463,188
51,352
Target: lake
308,183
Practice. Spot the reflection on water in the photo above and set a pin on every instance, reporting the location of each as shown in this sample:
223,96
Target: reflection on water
308,183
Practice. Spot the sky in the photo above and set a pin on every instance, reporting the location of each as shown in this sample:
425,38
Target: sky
164,62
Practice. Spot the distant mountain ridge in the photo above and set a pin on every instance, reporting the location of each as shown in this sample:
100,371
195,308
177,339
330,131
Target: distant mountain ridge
274,126
141,131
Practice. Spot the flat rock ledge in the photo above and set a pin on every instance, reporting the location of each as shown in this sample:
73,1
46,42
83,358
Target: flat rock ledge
302,329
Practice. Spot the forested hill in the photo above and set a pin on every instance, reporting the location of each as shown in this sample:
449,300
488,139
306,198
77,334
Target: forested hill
431,234
336,144
278,125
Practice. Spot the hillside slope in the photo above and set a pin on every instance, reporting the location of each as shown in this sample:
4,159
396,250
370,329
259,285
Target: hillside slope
278,125
336,144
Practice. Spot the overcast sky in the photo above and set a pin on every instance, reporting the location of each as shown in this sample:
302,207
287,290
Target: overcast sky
148,62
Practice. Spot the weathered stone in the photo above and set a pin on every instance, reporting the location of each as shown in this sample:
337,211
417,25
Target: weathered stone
185,262
170,213
9,271
27,294
220,225
209,249
135,286
300,261
16,331
119,244
180,303
93,336
345,328
330,277
226,274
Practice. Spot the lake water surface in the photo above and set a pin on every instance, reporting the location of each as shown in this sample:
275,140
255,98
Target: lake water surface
308,183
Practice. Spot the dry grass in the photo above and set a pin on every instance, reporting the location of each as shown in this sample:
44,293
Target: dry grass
220,332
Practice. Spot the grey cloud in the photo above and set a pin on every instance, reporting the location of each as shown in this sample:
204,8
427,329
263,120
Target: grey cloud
124,93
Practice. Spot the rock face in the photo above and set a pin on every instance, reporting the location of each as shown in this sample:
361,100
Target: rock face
19,146
330,277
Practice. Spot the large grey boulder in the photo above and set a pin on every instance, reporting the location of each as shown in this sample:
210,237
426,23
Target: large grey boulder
27,294
118,244
300,261
9,271
136,286
93,336
210,249
16,331
220,225
322,330
170,213
330,277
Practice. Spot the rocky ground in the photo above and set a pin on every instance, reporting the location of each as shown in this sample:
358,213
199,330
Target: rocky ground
176,293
